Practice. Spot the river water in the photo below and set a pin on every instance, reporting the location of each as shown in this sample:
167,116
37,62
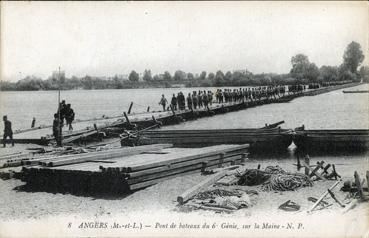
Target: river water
331,110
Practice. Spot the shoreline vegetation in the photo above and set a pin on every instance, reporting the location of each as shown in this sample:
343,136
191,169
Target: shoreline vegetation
302,72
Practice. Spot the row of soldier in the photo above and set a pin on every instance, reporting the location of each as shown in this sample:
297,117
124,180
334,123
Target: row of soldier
203,98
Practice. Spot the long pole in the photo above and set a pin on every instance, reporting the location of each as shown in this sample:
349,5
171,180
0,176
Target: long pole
59,140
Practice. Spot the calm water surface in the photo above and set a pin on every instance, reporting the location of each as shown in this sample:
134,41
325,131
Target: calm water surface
330,110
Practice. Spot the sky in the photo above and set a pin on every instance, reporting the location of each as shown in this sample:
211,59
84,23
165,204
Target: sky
109,38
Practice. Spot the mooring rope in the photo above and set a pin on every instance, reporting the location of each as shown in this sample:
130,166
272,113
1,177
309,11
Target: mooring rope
287,182
274,178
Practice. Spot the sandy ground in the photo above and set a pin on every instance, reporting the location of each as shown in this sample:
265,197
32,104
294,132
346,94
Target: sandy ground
160,199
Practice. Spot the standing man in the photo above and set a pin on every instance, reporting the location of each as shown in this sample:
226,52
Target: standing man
194,100
8,132
189,101
174,102
63,110
69,116
56,127
33,122
163,102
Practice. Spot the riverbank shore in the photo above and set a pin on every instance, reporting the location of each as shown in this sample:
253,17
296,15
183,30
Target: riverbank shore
160,199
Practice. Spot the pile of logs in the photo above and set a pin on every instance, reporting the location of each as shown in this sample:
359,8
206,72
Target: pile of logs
146,174
122,170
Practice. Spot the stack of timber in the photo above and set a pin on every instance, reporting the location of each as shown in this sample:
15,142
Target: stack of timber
265,139
326,140
119,175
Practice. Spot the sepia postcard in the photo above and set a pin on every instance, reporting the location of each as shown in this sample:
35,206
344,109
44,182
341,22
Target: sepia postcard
184,119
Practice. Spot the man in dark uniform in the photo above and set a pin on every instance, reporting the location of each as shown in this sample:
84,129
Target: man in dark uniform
69,116
163,101
189,101
194,100
56,127
8,132
63,111
174,102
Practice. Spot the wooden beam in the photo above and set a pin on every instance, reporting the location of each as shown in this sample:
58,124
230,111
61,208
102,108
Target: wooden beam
359,187
188,194
127,151
171,170
322,197
130,108
318,166
307,165
127,119
186,158
334,198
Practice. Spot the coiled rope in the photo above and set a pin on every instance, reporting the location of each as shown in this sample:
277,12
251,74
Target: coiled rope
274,178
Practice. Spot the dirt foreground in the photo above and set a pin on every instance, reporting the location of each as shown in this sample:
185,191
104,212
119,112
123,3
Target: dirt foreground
154,211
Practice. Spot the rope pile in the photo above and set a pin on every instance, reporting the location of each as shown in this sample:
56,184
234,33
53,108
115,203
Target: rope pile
287,182
274,170
251,177
274,178
231,199
212,194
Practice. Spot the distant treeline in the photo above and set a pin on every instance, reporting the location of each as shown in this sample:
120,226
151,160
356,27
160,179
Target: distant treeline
302,72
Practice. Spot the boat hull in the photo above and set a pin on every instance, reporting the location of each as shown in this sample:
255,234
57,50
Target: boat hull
262,140
332,140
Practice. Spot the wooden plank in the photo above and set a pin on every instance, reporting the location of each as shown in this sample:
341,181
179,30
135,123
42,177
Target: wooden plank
192,157
193,164
307,164
98,153
152,182
107,154
318,166
173,154
178,170
188,194
322,197
334,198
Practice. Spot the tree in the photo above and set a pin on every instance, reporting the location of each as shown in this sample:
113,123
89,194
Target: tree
228,77
364,73
312,73
219,78
300,64
118,84
328,73
167,76
345,74
133,76
156,77
87,82
203,75
179,75
147,75
353,56
211,76
190,76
